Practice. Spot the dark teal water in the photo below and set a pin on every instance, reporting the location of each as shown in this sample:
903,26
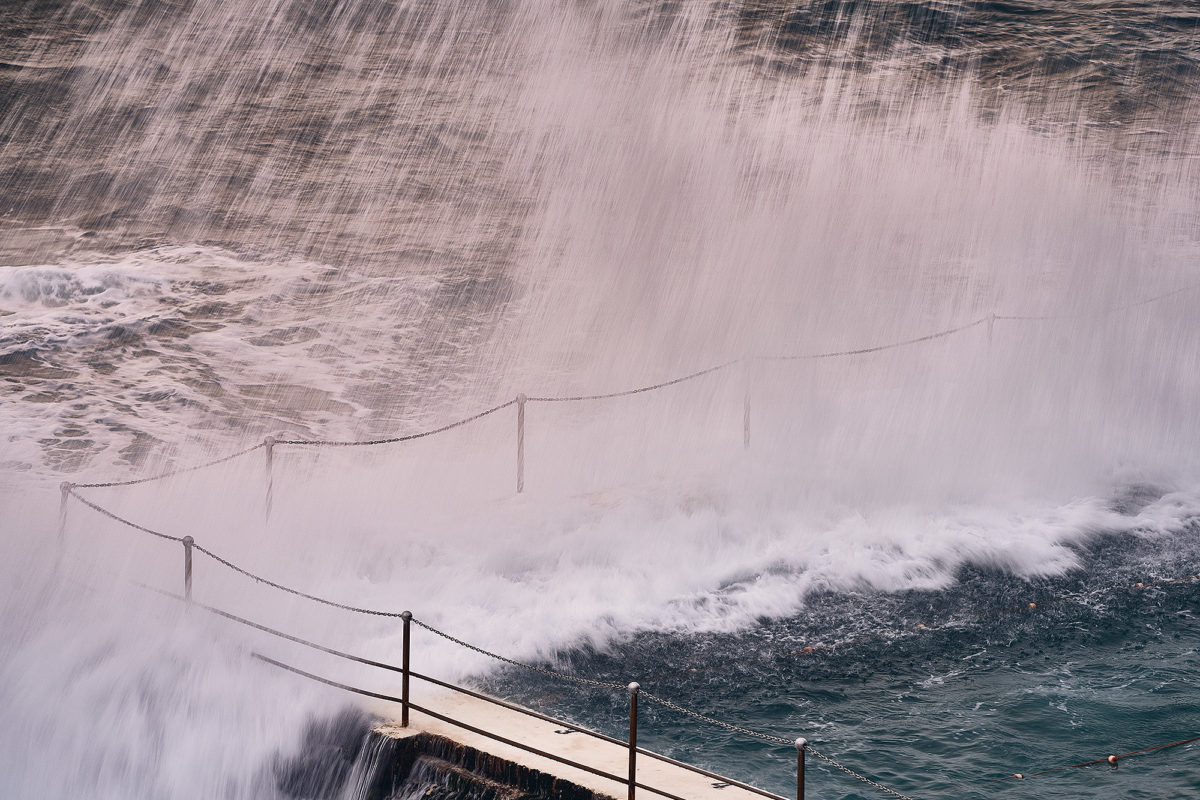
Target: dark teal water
986,689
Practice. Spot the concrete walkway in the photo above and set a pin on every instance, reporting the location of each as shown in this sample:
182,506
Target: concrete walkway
545,736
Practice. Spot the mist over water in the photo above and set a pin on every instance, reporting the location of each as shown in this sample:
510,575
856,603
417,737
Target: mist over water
225,220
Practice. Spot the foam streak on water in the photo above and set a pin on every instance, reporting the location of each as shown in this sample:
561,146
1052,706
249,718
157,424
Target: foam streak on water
227,219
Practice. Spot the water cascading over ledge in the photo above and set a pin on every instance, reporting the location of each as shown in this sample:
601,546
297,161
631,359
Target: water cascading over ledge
354,756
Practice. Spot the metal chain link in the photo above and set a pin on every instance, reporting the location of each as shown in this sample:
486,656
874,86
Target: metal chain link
766,737
229,564
395,439
289,590
880,348
548,672
1123,307
854,774
639,390
122,520
172,473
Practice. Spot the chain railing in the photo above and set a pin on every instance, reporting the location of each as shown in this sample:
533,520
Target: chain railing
269,445
521,400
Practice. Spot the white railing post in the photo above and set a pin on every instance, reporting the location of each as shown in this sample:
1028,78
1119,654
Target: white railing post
187,567
269,449
521,400
65,488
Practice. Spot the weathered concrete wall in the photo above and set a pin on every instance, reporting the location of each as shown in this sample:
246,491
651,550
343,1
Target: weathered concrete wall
447,770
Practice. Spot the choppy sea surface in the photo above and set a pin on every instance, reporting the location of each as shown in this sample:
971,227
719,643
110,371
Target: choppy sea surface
222,220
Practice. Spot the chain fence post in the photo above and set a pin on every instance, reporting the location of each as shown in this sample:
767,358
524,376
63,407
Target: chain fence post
521,400
269,449
187,567
634,688
801,746
60,552
65,488
407,617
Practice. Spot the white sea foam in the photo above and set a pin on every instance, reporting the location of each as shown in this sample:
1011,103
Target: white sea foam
677,208
154,343
129,692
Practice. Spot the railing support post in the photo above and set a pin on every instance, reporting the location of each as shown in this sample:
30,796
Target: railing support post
65,488
801,746
407,617
269,449
634,688
521,400
187,567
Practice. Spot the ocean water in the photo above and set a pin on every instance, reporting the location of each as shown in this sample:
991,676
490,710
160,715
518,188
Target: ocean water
222,220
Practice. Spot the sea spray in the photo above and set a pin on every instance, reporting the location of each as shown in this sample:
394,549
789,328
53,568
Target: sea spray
225,221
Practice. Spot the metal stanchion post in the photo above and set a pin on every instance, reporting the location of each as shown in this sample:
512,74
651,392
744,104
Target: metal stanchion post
407,617
634,688
65,487
269,448
521,400
801,746
187,567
